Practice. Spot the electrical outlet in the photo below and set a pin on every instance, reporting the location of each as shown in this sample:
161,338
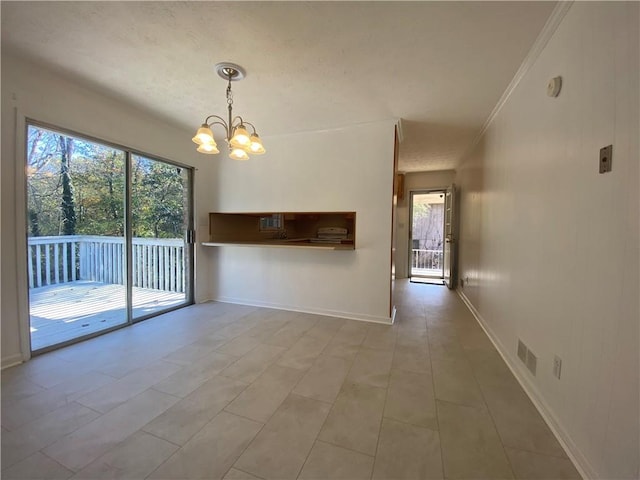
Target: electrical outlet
606,154
557,366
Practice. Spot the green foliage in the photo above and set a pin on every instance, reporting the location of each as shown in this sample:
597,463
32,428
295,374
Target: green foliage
78,187
159,199
101,188
67,206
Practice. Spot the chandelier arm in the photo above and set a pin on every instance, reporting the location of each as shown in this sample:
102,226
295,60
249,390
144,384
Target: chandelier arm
238,117
223,124
251,125
206,120
220,122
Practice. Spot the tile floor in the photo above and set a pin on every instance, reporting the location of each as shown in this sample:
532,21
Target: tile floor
237,392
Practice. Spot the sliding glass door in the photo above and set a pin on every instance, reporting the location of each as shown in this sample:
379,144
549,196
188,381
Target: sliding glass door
160,206
106,236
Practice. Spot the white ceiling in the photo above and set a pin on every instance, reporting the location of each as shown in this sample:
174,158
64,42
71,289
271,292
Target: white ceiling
440,66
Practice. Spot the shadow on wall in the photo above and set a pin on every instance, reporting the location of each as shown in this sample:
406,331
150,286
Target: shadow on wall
430,146
471,185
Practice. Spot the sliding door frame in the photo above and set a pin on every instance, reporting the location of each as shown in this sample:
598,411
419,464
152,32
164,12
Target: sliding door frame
23,122
188,240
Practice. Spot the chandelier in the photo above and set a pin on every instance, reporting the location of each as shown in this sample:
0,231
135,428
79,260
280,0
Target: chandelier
240,142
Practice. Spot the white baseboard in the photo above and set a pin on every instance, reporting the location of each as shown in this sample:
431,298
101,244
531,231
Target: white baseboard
581,463
316,311
11,360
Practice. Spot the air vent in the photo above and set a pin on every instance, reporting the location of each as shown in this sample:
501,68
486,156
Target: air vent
532,361
522,351
527,357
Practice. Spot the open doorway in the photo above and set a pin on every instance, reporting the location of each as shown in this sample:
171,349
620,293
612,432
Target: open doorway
426,236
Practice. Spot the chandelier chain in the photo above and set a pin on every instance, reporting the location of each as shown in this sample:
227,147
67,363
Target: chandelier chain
229,93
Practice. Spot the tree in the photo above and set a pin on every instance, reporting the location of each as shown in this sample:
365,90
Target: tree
100,186
43,182
78,187
427,224
68,218
158,199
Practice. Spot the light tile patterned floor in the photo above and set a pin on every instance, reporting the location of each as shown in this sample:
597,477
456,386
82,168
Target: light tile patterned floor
235,392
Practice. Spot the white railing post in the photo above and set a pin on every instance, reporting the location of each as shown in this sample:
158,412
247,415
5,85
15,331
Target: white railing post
154,266
65,262
157,263
47,263
426,259
82,260
56,263
174,270
74,252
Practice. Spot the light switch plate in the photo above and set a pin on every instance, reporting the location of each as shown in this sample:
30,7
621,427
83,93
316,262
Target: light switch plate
557,366
606,154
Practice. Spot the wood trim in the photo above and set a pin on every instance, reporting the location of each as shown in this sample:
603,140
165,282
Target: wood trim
399,187
394,204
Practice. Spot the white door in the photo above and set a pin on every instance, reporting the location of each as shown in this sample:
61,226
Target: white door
449,237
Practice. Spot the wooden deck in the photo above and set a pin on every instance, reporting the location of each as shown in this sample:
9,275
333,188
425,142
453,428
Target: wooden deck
69,310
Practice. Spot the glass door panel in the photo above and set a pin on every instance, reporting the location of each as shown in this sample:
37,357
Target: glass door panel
160,219
76,237
450,240
426,236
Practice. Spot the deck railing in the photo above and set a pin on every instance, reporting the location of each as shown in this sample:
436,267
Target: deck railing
157,263
427,259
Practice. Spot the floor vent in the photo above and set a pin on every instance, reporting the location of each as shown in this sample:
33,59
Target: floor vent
527,357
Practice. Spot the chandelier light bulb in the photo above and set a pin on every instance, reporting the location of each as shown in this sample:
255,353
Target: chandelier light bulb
256,146
203,135
238,154
240,137
209,148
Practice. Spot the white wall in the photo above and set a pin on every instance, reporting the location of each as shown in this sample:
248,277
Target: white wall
550,246
33,92
347,169
415,181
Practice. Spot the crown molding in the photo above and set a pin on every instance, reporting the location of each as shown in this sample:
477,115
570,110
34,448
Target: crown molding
550,27
400,129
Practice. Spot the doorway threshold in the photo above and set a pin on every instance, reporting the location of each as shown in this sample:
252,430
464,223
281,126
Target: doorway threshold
430,281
